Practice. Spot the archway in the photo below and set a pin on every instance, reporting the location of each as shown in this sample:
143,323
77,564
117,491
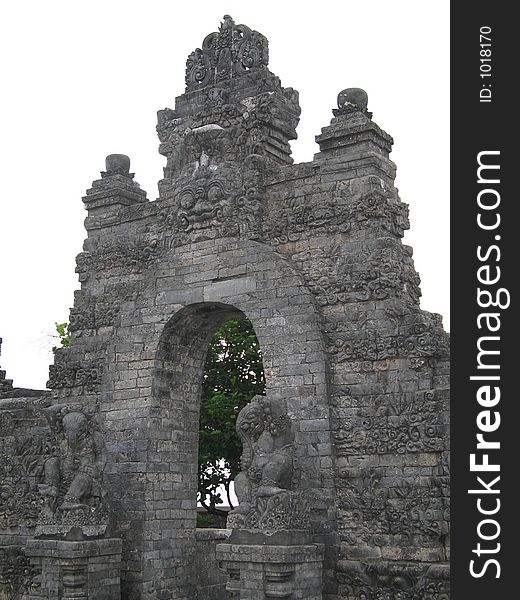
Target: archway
233,376
176,388
154,425
178,380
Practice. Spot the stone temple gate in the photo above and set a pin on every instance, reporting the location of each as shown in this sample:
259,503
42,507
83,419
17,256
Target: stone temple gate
344,491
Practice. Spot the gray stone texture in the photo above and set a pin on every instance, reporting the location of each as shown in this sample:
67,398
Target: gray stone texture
86,569
312,254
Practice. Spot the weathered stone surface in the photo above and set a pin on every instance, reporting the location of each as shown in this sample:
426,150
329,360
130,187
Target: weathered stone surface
344,490
265,570
86,569
6,385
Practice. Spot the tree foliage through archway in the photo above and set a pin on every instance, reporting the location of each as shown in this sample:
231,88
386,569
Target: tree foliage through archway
233,374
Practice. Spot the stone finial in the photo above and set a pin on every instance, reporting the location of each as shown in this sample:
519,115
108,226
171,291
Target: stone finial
117,164
113,191
354,136
228,53
352,100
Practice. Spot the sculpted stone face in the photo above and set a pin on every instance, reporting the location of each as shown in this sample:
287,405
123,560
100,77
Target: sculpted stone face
268,496
250,422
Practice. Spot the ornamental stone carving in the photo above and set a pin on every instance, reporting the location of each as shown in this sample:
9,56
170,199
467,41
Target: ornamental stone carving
423,337
232,51
337,211
25,447
17,576
128,257
64,376
20,504
206,205
378,580
409,513
394,424
71,482
343,489
212,206
265,486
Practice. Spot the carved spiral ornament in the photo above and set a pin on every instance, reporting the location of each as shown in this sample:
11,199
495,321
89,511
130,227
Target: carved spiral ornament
228,53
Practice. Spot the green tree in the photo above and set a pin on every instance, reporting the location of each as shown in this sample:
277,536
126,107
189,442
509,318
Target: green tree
62,329
233,374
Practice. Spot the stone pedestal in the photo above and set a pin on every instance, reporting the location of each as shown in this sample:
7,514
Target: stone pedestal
79,570
268,569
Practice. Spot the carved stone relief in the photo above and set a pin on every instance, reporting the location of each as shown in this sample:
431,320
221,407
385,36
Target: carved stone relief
266,485
383,580
424,338
232,51
218,135
84,378
21,459
409,513
53,476
71,482
94,312
129,257
17,576
394,423
373,274
214,206
337,212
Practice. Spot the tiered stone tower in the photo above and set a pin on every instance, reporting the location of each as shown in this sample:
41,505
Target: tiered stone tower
344,489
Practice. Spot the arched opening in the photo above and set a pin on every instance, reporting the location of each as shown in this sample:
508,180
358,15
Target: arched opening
157,479
170,539
233,375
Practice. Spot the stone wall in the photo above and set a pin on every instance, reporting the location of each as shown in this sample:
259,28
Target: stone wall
210,579
25,443
357,372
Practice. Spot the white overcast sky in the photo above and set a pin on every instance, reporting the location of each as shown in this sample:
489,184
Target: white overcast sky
81,80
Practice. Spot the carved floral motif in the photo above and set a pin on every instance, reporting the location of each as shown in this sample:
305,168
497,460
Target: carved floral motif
394,425
132,257
86,378
337,213
96,314
385,580
93,312
424,339
17,576
373,274
19,504
412,513
20,467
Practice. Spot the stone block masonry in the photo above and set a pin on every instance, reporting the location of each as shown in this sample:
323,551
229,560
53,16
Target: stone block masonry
83,570
344,491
